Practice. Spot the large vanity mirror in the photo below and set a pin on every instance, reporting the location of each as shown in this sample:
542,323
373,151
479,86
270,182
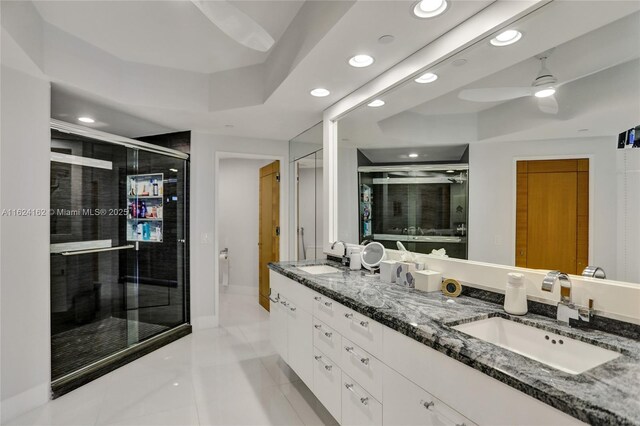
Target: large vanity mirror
514,154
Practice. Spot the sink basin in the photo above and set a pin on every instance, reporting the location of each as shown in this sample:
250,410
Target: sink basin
318,269
560,352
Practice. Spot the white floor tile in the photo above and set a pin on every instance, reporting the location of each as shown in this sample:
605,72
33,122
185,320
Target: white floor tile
264,407
228,375
309,409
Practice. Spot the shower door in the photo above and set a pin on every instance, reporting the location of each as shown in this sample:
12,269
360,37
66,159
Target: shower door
117,243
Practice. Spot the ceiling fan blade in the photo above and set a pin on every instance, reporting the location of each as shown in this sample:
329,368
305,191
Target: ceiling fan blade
548,105
236,24
495,94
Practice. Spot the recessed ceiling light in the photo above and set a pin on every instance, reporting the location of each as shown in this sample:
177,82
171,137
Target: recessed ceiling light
426,78
361,61
376,103
320,92
86,119
429,8
506,38
545,93
413,155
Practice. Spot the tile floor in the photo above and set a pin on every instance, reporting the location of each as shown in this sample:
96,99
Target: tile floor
224,376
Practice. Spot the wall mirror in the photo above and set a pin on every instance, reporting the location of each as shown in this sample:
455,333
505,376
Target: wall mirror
510,154
305,154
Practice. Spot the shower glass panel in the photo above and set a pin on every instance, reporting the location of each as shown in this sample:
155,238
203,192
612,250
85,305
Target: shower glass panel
117,230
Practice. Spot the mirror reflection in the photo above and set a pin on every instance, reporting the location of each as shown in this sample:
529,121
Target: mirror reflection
516,154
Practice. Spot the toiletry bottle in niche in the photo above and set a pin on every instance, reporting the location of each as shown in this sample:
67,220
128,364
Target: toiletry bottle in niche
515,295
155,188
143,210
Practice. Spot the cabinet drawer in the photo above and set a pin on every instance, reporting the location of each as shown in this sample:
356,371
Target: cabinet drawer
406,404
359,408
360,329
327,340
326,310
366,369
327,380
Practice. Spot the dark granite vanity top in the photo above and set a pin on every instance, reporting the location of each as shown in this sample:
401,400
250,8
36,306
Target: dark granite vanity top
608,394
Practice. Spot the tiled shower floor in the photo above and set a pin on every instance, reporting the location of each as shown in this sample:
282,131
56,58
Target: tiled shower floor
76,348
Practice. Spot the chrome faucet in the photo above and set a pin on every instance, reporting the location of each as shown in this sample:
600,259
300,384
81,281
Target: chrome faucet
345,258
566,308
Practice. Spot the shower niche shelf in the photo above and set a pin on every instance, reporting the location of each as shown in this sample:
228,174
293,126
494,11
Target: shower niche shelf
145,205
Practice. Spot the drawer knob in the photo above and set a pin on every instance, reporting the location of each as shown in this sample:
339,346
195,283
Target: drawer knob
364,360
328,334
364,323
326,366
293,308
364,400
317,298
328,304
348,316
317,326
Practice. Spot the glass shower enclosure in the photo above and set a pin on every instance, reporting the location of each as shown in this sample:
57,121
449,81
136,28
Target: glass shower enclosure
118,248
423,206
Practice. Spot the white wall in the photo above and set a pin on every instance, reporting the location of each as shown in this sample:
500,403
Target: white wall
24,242
239,184
628,213
492,196
204,250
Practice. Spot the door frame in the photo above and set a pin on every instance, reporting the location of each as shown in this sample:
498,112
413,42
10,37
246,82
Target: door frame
514,194
284,223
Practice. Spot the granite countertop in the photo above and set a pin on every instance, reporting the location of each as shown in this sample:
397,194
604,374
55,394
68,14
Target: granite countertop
607,394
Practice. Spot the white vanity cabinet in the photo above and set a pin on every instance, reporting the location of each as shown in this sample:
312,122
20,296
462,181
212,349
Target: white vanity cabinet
365,373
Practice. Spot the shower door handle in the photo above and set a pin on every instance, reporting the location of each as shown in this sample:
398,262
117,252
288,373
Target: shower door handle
96,250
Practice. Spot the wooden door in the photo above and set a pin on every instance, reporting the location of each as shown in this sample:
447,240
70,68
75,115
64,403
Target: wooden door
269,238
552,215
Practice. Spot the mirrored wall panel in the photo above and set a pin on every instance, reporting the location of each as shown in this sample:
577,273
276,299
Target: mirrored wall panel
544,131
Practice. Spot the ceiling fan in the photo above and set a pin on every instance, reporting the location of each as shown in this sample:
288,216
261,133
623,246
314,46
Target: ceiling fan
236,24
543,88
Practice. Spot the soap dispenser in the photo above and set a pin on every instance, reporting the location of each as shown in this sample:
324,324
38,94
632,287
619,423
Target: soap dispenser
515,296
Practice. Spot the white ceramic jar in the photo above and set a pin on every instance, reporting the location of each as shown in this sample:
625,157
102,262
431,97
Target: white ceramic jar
515,296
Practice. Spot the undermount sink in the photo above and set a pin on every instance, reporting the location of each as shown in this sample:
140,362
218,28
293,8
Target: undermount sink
318,269
560,352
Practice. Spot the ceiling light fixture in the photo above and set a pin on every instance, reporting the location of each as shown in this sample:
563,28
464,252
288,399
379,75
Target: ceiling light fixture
506,38
545,93
451,171
413,155
86,119
320,92
386,39
361,61
426,78
376,103
429,8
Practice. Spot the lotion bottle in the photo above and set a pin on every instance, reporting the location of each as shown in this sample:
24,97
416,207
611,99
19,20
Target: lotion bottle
515,296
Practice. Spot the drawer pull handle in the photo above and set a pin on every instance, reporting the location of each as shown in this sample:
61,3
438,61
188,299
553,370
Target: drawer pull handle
363,399
293,308
326,366
317,326
363,324
328,334
318,298
428,404
328,304
362,359
284,303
